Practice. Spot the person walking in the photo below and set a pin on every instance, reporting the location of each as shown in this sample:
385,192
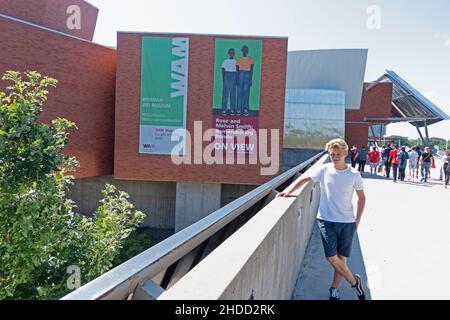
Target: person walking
386,157
425,163
354,156
446,167
336,218
419,152
374,157
403,162
412,165
362,158
393,160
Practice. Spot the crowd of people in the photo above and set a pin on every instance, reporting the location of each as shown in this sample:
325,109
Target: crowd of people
399,161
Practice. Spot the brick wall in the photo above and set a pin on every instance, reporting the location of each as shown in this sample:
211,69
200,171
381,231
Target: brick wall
53,14
129,164
85,92
376,103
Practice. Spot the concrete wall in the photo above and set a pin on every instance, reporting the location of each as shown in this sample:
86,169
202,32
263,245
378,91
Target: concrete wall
167,203
53,14
231,192
194,201
293,157
262,259
156,199
86,75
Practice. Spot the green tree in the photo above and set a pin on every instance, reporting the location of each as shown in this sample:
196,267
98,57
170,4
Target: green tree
403,141
441,143
40,235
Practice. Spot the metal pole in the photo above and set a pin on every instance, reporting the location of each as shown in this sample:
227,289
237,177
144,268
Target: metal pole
381,136
427,136
420,134
374,135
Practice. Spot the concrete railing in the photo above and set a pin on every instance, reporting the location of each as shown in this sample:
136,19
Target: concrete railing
151,273
262,259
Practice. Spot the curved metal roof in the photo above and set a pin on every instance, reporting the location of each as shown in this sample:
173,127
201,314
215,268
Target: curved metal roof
408,104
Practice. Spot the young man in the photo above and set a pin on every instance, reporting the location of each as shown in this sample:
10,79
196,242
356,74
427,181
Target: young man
374,157
336,218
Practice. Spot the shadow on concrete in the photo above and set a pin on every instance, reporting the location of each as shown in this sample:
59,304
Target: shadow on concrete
366,175
428,184
435,182
416,183
316,274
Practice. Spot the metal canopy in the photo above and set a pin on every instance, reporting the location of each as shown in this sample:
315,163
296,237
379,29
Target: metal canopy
409,104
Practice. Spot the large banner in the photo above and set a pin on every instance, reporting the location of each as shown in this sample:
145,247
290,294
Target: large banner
237,92
164,79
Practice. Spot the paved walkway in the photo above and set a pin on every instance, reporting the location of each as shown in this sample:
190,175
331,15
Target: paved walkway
402,249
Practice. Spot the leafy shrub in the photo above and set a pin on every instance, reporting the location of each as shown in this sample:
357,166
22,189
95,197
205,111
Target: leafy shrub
40,235
136,243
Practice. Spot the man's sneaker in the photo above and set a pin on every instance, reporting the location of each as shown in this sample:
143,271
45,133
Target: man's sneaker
359,287
232,112
224,112
334,294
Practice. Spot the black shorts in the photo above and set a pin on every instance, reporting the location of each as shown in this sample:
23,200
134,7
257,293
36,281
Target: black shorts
337,238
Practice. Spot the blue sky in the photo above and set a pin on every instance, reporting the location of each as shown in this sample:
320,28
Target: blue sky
413,38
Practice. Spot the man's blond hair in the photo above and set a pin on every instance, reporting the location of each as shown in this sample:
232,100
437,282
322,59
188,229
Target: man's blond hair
339,144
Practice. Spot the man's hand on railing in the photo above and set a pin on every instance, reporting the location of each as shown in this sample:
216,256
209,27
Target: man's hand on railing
284,195
297,186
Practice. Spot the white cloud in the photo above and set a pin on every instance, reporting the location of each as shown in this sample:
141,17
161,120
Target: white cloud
444,37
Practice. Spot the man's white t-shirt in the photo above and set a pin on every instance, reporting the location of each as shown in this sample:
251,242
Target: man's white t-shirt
336,192
229,65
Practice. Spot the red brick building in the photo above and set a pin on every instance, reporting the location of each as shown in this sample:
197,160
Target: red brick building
75,17
86,74
129,164
376,103
54,37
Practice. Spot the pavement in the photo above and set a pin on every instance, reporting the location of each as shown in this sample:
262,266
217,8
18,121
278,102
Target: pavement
401,250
